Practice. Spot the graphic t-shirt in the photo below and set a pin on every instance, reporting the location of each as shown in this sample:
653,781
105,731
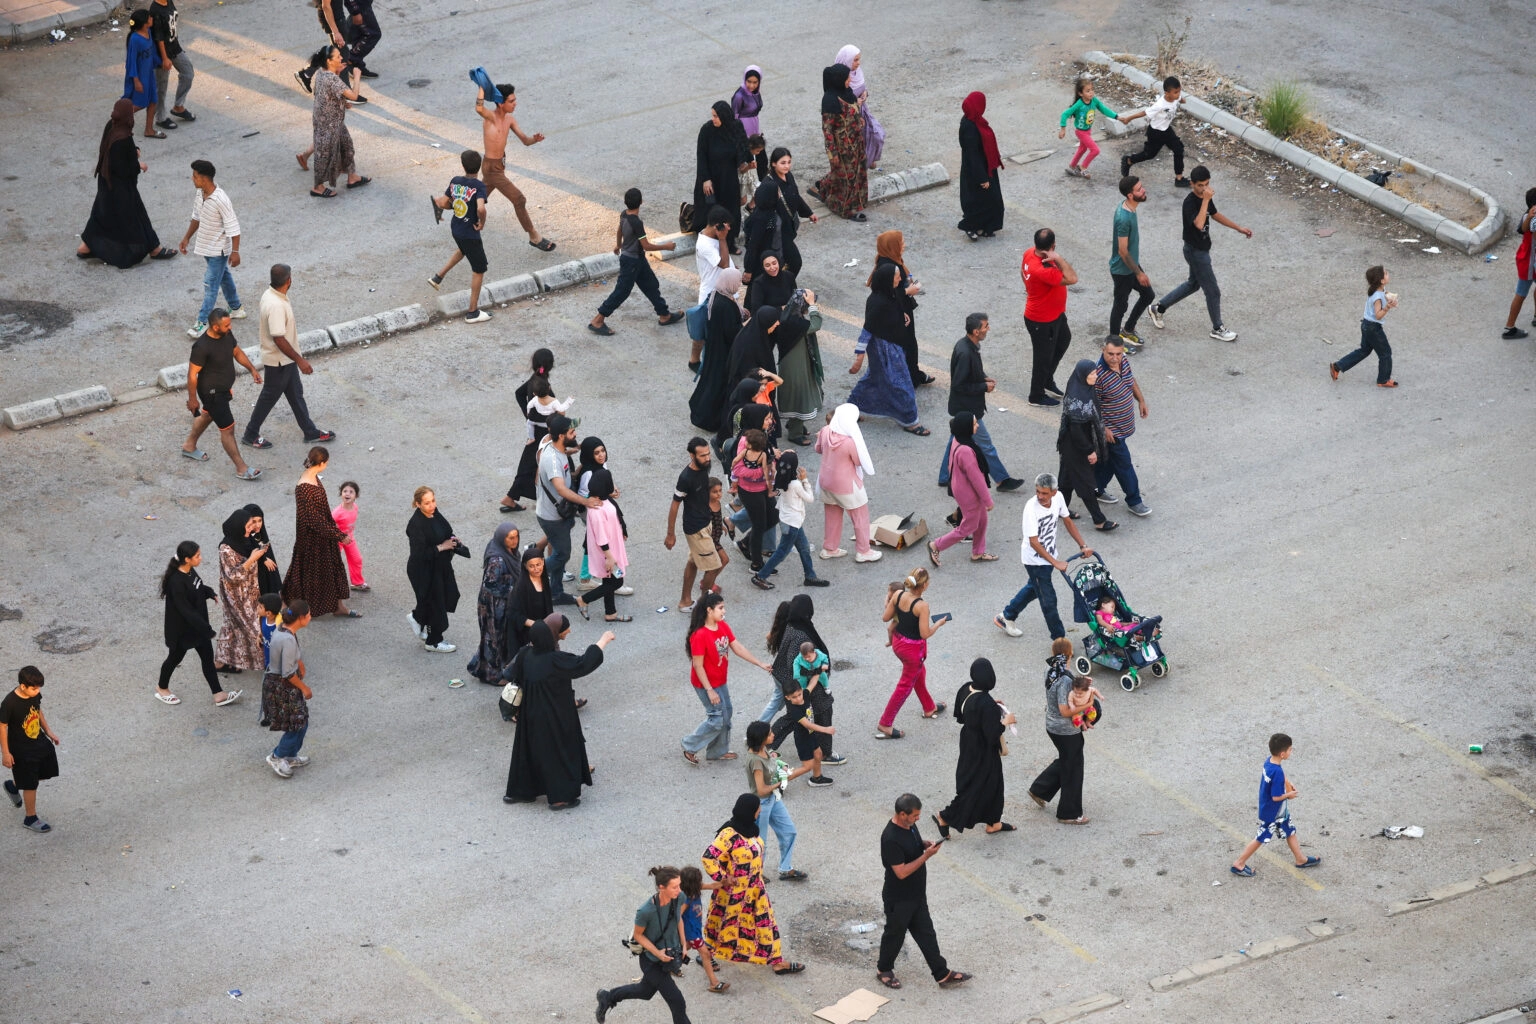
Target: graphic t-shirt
715,647
1040,522
1126,226
23,718
693,491
1271,785
163,29
1194,237
902,846
1046,296
215,360
631,230
464,192
1081,114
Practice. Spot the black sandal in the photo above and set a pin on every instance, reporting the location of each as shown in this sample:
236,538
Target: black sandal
919,430
943,828
329,193
543,245
888,979
359,183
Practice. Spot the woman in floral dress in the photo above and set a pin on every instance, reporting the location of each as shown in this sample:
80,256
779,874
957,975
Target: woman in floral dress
740,925
316,572
245,559
332,151
845,189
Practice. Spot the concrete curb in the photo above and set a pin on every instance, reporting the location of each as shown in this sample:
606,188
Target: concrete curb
1468,240
86,12
1077,1010
1258,951
364,330
1456,890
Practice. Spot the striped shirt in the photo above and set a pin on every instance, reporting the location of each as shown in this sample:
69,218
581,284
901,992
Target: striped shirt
216,222
1116,399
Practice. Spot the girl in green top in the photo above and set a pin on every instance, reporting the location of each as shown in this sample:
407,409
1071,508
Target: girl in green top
1084,106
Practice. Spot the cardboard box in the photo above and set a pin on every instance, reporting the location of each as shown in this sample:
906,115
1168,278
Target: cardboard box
896,532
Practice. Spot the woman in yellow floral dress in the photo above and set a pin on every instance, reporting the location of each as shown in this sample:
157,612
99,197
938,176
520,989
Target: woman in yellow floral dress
740,925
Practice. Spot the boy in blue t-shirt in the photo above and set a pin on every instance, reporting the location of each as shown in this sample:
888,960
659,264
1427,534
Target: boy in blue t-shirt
465,195
1275,795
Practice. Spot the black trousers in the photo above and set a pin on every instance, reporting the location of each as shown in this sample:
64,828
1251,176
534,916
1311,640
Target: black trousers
1075,476
1048,340
904,917
1063,775
605,589
281,382
757,504
204,649
1156,140
1124,285
654,978
821,707
361,38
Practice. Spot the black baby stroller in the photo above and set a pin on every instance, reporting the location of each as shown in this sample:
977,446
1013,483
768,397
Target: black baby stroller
1126,653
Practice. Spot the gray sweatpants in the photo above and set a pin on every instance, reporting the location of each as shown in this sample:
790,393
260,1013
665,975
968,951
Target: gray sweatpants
183,65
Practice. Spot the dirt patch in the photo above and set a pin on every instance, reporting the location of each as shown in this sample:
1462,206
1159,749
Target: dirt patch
66,640
22,321
824,932
9,614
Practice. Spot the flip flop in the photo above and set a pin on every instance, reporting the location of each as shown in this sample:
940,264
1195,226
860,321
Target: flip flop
543,245
359,183
195,455
164,254
155,135
514,507
983,558
955,978
1311,862
1246,871
329,193
943,828
1005,827
348,614
692,759
719,987
230,697
185,115
789,969
167,698
620,618
604,330
919,430
673,317
251,473
933,554
938,709
894,734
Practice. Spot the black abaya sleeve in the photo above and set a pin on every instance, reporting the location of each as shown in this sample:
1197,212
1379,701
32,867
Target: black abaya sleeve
575,666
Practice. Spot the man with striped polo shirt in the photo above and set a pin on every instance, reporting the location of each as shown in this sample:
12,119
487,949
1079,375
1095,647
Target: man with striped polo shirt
1121,400
218,242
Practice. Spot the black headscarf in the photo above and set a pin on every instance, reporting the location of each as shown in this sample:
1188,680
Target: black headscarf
963,429
728,122
589,446
270,581
731,129
884,316
1081,404
983,676
834,89
801,610
741,396
542,638
772,289
743,816
601,484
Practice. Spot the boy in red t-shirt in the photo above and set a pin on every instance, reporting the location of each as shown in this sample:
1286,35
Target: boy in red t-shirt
1046,277
1525,269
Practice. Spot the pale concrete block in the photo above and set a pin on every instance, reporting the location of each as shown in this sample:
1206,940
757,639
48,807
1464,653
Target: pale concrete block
30,414
885,186
1291,153
601,265
1269,947
566,275
1426,221
350,332
511,289
137,395
172,378
1164,982
684,241
405,318
35,28
318,340
1325,171
931,175
1455,183
1404,906
1079,1009
88,12
456,303
1216,964
1457,235
1354,185
91,399
1455,889
1390,202
1320,931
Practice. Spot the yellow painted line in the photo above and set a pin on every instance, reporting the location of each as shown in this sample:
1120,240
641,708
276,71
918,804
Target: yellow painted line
1455,756
1284,863
460,1006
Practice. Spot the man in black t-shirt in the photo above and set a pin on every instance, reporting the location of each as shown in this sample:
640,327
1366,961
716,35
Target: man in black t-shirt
210,388
168,55
905,855
692,496
1199,211
26,744
465,196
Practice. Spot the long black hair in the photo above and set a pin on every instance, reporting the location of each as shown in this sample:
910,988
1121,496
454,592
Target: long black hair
700,615
185,550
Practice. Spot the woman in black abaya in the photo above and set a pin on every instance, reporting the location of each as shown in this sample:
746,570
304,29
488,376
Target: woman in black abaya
1081,443
722,154
979,772
430,570
707,404
118,231
549,752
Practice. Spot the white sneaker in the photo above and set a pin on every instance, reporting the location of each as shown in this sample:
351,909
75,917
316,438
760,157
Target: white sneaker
839,553
198,329
280,766
1007,626
479,316
297,761
1222,334
590,583
567,577
416,627
625,591
1156,315
237,314
441,647
873,556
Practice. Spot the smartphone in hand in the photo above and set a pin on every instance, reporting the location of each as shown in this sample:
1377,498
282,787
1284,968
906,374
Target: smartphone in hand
941,617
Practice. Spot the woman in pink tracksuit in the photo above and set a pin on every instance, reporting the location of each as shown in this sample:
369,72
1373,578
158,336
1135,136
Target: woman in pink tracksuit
845,462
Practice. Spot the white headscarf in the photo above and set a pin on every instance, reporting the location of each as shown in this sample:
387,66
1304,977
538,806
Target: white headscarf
845,421
856,79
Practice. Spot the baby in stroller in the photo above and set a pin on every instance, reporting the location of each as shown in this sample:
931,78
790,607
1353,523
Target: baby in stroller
1109,620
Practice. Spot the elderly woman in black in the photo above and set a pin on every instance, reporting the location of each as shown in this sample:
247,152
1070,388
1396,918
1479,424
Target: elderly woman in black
186,623
979,772
500,572
1080,440
430,569
722,154
549,752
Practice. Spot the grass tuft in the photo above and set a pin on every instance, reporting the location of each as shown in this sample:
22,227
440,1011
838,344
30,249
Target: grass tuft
1284,108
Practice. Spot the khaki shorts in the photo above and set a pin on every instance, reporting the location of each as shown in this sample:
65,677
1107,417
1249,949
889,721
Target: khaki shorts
701,551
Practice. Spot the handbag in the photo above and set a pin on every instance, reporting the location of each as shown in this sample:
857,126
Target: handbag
685,218
512,694
698,321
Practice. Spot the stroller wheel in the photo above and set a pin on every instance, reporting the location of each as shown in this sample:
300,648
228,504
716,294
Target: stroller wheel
1159,669
1128,682
1082,666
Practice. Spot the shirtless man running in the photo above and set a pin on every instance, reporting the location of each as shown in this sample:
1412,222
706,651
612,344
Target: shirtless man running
498,122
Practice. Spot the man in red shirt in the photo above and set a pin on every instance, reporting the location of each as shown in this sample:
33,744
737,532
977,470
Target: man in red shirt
1046,277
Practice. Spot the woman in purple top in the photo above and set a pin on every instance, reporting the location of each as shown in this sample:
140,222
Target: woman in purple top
748,101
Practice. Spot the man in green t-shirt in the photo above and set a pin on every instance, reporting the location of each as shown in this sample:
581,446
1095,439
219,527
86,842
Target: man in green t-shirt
1125,264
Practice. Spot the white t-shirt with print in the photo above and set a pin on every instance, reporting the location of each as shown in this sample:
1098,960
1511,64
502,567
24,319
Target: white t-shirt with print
1041,522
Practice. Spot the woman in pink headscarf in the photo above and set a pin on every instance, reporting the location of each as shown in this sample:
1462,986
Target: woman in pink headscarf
874,135
981,195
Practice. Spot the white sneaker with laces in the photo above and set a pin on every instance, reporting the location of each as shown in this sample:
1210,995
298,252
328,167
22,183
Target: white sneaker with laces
441,647
198,329
625,591
280,766
297,761
238,314
836,553
1007,626
1222,334
873,556
1156,314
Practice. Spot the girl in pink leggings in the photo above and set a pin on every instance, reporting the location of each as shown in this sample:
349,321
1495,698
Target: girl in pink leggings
1082,112
345,515
909,639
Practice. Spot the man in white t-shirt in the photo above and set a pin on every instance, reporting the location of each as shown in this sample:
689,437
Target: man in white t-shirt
1042,514
711,254
281,364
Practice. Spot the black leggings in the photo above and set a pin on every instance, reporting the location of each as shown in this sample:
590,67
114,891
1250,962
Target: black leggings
756,504
1156,140
654,978
204,649
605,589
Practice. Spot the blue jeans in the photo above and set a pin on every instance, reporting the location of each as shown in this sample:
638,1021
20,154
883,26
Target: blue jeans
1118,466
1372,338
634,270
1039,586
775,815
558,532
775,704
1201,279
743,523
216,275
995,467
713,736
289,745
790,537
